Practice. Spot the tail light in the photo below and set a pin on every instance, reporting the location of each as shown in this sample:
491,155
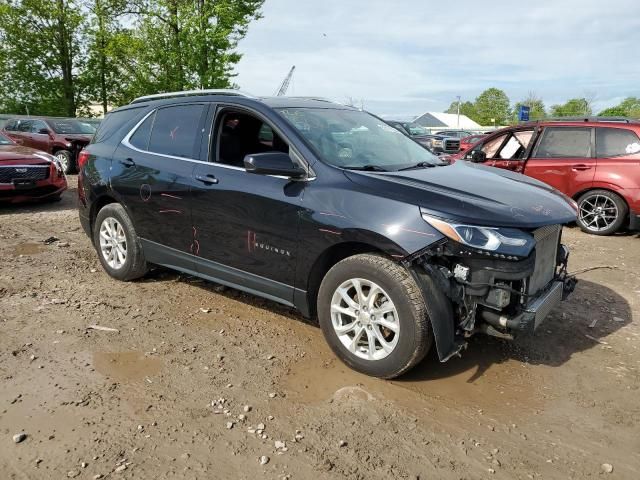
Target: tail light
83,156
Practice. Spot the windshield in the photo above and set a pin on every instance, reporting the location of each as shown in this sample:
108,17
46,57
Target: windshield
71,127
358,140
4,140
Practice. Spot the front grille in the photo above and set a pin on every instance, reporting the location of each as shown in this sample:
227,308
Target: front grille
452,145
547,241
11,173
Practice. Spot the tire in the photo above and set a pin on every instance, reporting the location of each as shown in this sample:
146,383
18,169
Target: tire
410,341
66,160
596,209
127,261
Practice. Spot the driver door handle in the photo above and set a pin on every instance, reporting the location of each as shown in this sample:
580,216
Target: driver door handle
580,167
207,179
128,162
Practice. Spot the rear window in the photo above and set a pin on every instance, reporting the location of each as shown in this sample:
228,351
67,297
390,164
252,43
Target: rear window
113,122
176,130
565,142
11,125
615,142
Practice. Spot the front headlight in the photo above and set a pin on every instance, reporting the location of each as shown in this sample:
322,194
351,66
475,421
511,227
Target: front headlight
483,238
437,143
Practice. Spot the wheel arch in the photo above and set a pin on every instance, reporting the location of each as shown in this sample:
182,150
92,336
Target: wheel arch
326,260
98,205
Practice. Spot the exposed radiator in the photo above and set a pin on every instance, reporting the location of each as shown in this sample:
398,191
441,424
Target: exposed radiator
547,241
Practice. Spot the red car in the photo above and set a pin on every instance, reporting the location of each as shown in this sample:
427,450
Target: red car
28,174
471,140
595,161
62,137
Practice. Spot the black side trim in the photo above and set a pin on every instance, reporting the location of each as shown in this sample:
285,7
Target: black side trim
224,275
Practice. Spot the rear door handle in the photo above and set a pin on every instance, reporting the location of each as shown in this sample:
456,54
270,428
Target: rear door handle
207,179
580,167
128,162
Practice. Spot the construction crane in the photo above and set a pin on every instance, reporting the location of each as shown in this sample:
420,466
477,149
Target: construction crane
285,83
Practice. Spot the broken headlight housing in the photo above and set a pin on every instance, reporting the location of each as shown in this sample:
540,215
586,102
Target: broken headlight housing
493,239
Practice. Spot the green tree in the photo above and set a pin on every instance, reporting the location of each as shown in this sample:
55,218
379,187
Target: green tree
629,107
536,106
103,80
466,108
493,103
190,43
42,41
575,107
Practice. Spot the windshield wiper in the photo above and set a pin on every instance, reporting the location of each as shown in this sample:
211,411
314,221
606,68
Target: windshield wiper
367,168
419,165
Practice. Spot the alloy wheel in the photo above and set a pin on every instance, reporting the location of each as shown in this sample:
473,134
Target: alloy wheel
64,161
113,243
365,319
598,212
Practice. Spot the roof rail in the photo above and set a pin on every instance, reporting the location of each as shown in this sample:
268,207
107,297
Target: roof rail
190,93
587,119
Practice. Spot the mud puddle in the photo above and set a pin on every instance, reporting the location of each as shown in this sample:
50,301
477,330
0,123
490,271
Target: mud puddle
126,366
28,249
494,389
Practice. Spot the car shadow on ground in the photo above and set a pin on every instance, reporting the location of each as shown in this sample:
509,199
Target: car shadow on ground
584,321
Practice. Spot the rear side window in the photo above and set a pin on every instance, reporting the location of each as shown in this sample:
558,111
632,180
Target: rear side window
112,122
10,126
565,142
140,139
615,142
25,126
176,130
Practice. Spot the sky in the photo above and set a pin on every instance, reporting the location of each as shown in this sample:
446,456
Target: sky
402,58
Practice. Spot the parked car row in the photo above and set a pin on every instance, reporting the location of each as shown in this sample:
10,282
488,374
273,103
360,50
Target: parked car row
28,174
61,137
595,161
438,143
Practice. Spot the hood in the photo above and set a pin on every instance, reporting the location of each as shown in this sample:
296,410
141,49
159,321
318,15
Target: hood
473,194
19,155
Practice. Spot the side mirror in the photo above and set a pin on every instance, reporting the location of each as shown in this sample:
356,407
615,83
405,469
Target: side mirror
44,131
478,156
273,163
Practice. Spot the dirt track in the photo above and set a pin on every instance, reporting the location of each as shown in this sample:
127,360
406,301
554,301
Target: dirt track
138,403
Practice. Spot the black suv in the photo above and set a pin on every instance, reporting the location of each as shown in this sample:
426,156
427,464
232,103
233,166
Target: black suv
328,209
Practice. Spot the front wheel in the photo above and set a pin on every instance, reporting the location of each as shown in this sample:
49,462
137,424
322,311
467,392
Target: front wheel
117,243
65,157
373,316
601,212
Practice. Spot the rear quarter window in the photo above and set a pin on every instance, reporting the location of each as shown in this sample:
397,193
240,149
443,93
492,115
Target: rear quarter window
113,122
616,142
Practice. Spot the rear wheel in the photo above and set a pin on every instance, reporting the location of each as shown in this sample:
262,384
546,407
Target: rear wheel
117,243
601,212
65,157
373,316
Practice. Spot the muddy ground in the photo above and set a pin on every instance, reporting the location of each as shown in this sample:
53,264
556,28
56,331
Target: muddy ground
165,396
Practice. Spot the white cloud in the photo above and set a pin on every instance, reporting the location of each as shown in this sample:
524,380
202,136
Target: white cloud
408,56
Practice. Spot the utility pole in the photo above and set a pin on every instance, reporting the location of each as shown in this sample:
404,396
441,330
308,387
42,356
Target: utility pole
458,97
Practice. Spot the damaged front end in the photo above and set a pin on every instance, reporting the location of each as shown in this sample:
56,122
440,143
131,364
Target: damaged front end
502,282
